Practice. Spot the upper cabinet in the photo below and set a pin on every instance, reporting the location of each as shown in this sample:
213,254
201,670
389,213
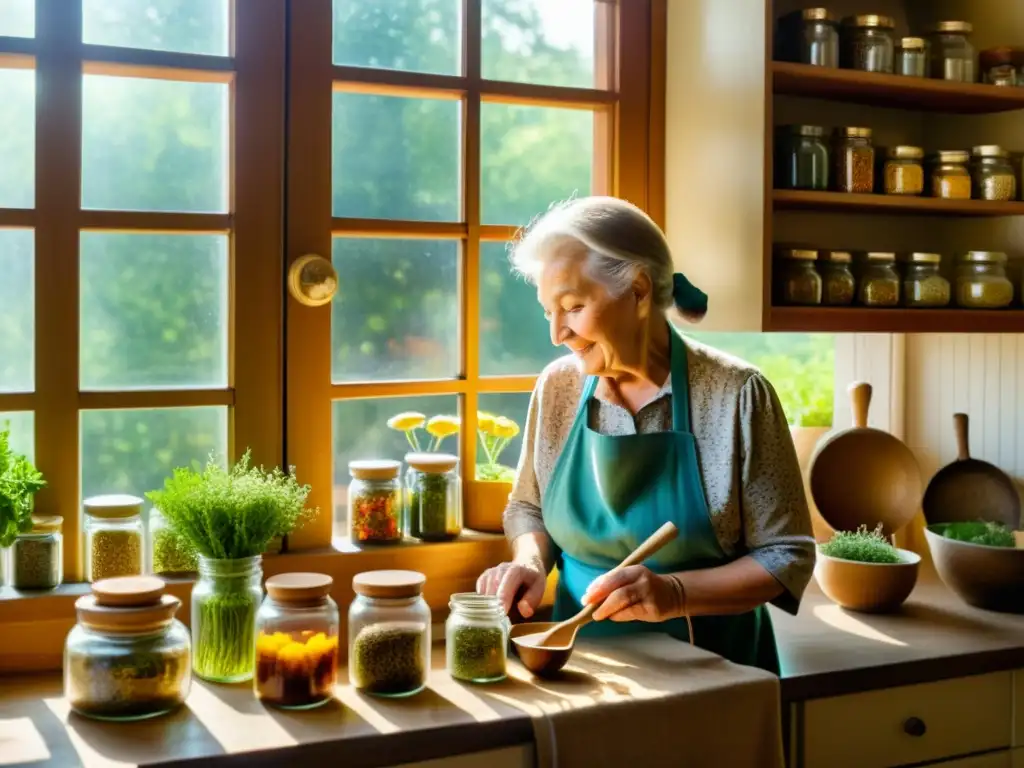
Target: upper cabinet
792,188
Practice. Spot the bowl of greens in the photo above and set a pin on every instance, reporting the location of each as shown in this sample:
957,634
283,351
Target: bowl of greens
980,562
862,571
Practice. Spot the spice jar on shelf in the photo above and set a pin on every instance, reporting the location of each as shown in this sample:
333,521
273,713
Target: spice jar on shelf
128,658
879,281
854,160
809,36
802,158
992,175
433,495
35,560
904,170
912,57
837,281
868,43
998,67
297,641
168,552
952,55
113,536
950,179
389,633
799,283
923,284
375,501
476,638
981,281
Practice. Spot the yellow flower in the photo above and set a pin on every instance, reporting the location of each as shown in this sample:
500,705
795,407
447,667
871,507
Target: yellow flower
443,426
485,422
404,422
504,427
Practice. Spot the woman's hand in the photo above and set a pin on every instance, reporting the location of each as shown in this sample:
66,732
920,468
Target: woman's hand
507,579
636,594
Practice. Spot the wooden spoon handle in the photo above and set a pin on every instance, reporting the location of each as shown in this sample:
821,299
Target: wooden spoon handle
860,402
961,426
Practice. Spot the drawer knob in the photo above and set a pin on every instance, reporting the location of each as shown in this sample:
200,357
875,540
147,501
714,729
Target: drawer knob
914,726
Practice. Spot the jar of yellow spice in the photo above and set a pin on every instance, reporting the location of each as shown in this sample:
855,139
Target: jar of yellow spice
923,285
113,536
904,171
981,281
949,176
879,281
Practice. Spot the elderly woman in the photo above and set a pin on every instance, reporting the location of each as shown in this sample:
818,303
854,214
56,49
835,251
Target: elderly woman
637,426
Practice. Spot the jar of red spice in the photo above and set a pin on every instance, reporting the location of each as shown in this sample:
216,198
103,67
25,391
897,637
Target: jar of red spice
375,501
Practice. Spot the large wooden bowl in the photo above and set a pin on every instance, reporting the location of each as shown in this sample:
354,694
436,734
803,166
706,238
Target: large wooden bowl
867,587
985,577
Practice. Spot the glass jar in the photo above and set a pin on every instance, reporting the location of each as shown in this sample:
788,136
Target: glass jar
952,55
837,281
375,501
912,57
799,282
433,494
950,177
981,281
998,67
128,657
113,537
1018,63
854,160
802,158
809,36
992,174
36,557
904,171
224,603
297,642
168,552
476,638
868,43
389,634
923,284
880,281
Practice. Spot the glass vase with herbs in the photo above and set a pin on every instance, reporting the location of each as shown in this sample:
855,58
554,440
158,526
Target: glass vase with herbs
19,483
229,516
433,496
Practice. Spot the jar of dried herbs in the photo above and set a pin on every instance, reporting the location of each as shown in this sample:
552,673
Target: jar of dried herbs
802,158
168,552
297,642
981,281
923,283
879,281
799,283
855,160
952,54
375,501
128,657
433,495
998,67
949,176
868,43
113,536
389,634
904,170
476,638
992,174
912,57
35,560
837,281
809,36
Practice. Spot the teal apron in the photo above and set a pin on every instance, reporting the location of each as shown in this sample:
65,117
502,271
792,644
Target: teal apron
609,493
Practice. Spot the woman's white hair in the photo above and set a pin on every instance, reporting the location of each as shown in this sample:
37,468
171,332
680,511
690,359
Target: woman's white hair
618,239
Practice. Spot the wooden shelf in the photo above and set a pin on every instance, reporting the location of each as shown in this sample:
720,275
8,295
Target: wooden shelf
841,202
896,91
866,320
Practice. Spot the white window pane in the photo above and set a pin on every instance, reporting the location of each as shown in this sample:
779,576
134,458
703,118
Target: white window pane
18,129
184,26
22,426
17,18
17,310
416,36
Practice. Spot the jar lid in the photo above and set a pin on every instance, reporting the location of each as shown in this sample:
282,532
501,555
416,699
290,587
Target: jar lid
432,463
798,254
983,257
127,604
816,14
374,469
989,150
956,156
925,258
299,587
113,505
881,256
956,27
913,43
805,130
47,524
388,584
854,133
870,20
905,152
838,257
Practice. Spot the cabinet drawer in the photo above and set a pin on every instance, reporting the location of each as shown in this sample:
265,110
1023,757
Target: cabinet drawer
910,724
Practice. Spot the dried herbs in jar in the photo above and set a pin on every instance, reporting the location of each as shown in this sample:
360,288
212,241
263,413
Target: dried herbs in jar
433,493
476,638
113,536
36,556
375,502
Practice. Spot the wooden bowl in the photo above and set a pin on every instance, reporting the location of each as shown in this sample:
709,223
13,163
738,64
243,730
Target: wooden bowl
543,662
986,577
867,587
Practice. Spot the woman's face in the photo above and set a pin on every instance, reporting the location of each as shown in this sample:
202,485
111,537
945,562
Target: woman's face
600,330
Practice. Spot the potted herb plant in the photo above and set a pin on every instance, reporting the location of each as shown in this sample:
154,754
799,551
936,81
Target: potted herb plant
487,496
229,516
862,571
20,481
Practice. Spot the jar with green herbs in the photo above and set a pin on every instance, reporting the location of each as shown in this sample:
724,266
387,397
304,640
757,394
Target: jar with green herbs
912,57
809,36
433,496
169,553
476,638
992,174
113,536
923,283
837,281
375,501
389,633
799,283
225,599
950,179
904,170
802,159
854,157
36,556
952,54
868,43
879,280
128,657
998,67
981,281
